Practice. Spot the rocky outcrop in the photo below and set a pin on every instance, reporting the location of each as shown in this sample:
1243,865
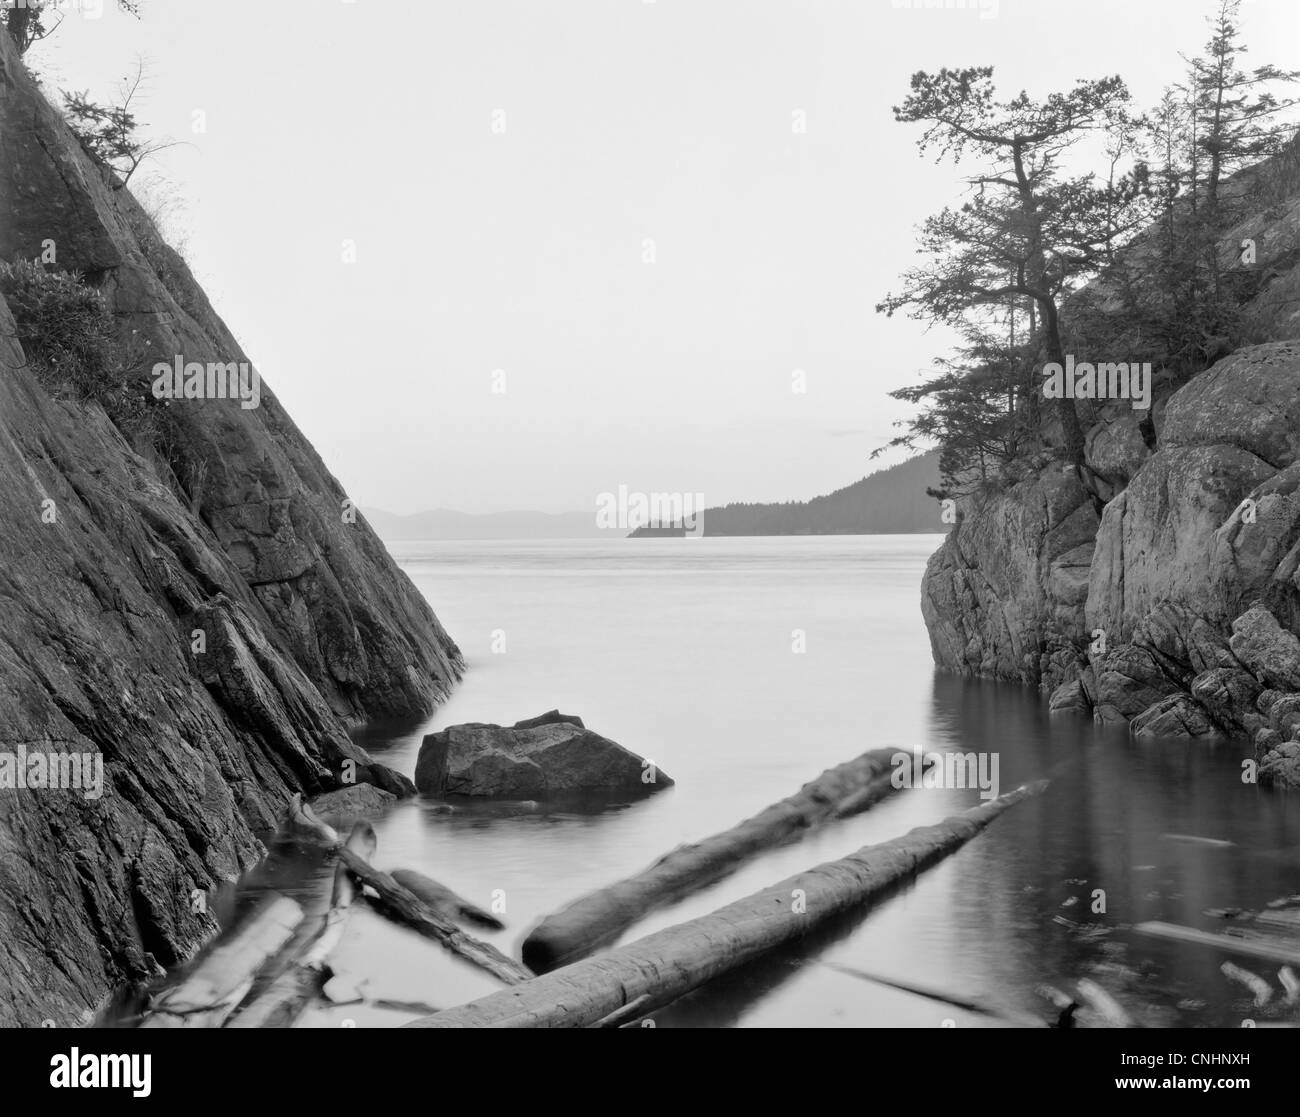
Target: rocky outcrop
1179,715
1002,597
341,808
1192,587
545,760
200,612
1176,609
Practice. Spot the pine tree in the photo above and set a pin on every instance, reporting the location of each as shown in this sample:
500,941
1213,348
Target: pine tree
1027,232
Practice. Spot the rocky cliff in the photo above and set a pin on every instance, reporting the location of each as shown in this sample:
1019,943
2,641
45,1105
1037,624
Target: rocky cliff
1173,607
200,610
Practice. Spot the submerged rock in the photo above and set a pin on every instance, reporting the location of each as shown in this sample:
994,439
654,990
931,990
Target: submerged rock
342,808
531,761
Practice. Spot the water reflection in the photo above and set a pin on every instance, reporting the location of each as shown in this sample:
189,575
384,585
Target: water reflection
1129,831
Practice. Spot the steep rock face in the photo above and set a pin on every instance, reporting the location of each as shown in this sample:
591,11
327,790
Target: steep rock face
1157,541
1003,596
201,616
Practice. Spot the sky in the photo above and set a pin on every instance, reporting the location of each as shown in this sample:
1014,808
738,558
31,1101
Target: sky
504,254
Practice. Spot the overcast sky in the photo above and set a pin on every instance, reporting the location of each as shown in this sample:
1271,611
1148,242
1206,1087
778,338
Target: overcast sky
524,250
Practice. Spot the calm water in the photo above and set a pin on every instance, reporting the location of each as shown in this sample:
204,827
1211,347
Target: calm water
745,667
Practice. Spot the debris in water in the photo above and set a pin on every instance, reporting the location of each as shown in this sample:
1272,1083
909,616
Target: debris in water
1261,990
1197,840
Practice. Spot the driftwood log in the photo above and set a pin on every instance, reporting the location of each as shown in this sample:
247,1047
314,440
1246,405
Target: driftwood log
598,919
1255,947
444,901
661,967
223,977
403,907
284,1000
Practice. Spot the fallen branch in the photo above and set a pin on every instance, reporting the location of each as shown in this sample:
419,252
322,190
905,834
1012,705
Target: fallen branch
284,1000
669,963
223,977
601,917
399,905
444,901
1255,948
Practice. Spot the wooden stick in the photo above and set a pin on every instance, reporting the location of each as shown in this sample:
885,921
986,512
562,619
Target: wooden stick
284,1000
598,919
936,995
399,905
672,962
225,974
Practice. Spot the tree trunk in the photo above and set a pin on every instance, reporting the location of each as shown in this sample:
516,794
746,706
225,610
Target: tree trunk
662,967
17,20
1071,431
599,918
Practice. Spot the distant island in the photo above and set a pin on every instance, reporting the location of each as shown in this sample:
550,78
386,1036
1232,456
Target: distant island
890,502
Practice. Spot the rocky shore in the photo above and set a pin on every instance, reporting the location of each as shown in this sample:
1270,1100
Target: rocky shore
194,606
1162,588
1174,610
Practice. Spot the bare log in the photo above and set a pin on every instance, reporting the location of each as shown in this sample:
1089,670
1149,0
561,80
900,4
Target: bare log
669,963
399,905
444,901
225,974
1259,988
1272,949
598,919
284,1000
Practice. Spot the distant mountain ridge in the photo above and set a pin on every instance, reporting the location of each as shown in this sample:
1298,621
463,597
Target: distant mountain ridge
891,501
